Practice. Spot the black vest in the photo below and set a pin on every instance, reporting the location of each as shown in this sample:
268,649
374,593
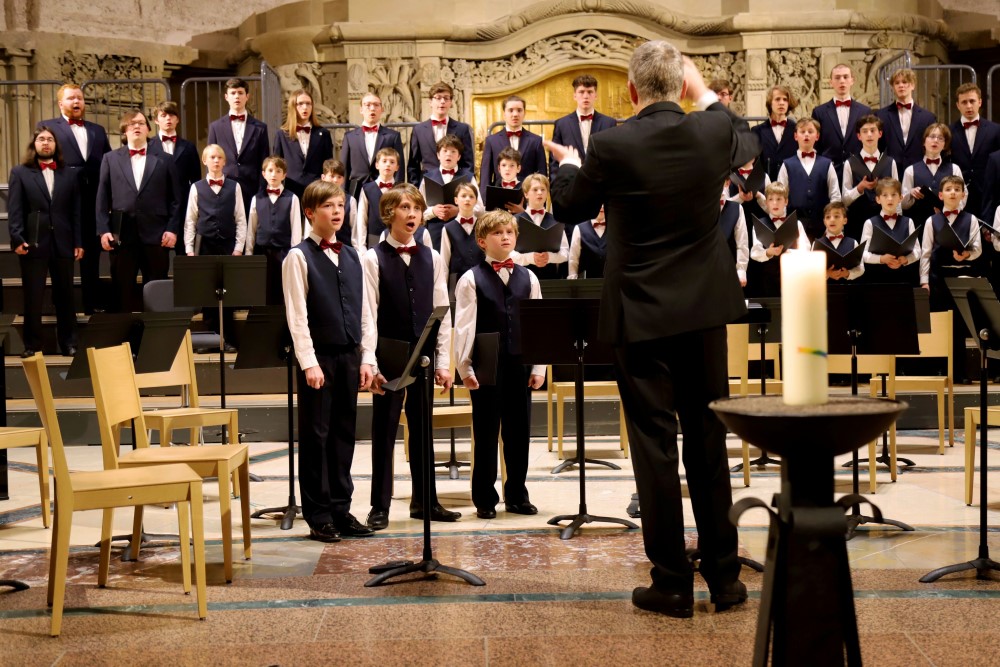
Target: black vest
373,194
863,208
496,305
333,300
274,225
405,293
941,256
593,251
215,211
808,193
465,252
930,186
729,216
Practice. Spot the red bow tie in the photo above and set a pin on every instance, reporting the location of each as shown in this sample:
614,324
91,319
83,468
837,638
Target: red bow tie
947,213
509,184
385,186
779,218
900,105
842,103
273,192
334,246
782,123
72,121
722,202
870,158
164,139
436,123
516,133
971,123
219,182
745,172
303,128
47,165
598,224
242,117
589,116
374,128
411,249
933,160
132,152
449,172
466,221
890,216
537,211
835,238
809,154
506,264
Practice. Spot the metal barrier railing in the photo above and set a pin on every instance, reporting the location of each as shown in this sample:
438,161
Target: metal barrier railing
108,99
936,85
990,73
885,72
203,100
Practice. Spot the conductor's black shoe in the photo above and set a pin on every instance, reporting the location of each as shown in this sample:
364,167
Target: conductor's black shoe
488,513
349,526
729,596
28,352
438,513
325,533
678,605
378,519
521,508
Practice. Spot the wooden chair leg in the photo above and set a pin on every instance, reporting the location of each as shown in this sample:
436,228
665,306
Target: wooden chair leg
52,557
971,426
198,531
893,470
104,561
623,431
244,476
42,457
226,513
872,466
503,473
184,535
548,414
60,563
951,416
406,442
746,463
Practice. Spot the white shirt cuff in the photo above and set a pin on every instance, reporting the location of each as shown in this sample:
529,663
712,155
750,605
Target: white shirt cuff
706,100
571,159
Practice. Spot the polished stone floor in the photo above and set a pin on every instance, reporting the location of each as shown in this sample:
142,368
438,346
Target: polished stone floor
546,600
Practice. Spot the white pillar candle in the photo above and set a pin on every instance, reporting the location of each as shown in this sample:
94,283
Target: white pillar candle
803,326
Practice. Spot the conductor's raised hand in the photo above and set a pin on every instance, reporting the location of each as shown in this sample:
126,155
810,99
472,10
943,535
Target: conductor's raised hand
442,378
560,152
695,83
314,377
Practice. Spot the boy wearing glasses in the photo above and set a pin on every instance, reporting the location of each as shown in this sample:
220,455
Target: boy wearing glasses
361,145
423,140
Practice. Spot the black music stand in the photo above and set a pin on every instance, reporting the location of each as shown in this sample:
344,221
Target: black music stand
420,369
203,281
870,319
978,305
267,344
570,326
764,316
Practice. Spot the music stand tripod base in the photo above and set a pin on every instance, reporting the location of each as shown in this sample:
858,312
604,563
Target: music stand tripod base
13,583
575,461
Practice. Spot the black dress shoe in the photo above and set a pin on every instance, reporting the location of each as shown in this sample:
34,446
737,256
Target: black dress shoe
378,519
438,513
487,513
729,596
28,352
521,508
349,526
325,533
678,605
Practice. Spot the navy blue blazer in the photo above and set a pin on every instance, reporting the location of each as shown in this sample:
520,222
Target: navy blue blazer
973,162
530,148
28,193
772,152
187,161
567,133
912,150
244,165
833,143
154,208
359,168
423,149
87,167
303,170
991,189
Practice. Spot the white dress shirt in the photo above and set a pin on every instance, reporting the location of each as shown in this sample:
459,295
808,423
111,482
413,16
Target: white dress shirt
465,318
585,126
515,141
168,146
832,182
742,244
849,195
908,199
970,132
295,285
303,138
80,133
370,138
446,240
866,235
369,315
843,114
576,244
138,164
359,231
294,221
49,176
778,130
975,247
191,217
239,128
905,116
439,130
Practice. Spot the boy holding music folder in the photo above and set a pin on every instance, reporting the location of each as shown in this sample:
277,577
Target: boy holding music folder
844,254
438,187
922,179
324,299
368,221
488,352
405,281
542,241
781,231
893,245
507,195
862,170
810,178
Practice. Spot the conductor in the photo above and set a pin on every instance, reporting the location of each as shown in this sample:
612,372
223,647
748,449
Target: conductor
670,288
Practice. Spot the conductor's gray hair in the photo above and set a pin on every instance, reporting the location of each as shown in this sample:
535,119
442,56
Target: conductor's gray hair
657,72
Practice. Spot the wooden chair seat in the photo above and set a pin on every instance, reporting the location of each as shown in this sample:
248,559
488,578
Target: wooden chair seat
971,432
108,489
18,436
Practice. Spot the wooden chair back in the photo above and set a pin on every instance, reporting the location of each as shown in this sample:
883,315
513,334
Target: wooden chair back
117,397
869,364
937,343
41,391
738,340
181,374
772,352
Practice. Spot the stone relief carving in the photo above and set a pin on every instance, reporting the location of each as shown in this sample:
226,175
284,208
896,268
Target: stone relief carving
397,82
799,70
82,67
308,76
730,66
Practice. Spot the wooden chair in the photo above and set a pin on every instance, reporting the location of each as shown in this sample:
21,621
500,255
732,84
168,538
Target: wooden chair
875,364
971,432
190,415
934,345
117,397
108,489
560,391
16,436
741,350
